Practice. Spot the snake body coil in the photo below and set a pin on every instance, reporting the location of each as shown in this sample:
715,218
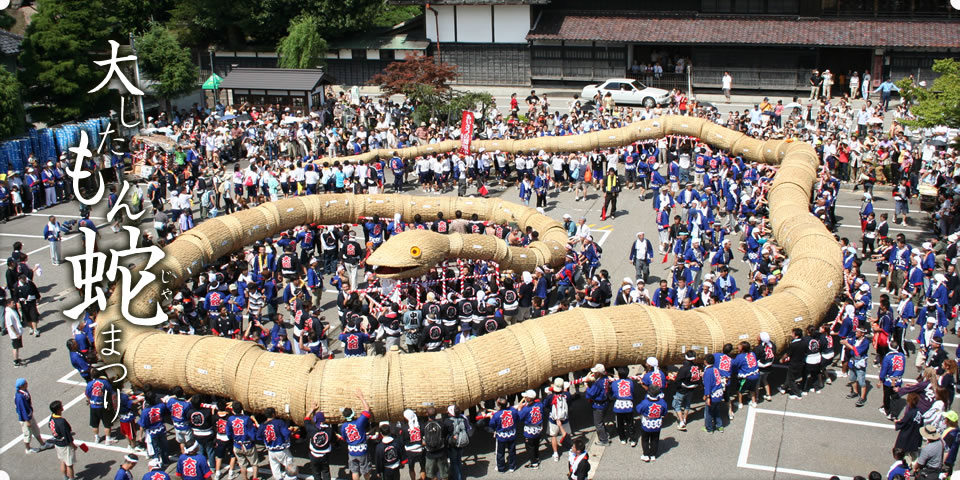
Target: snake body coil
509,360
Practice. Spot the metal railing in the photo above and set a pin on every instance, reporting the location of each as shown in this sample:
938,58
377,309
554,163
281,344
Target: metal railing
752,78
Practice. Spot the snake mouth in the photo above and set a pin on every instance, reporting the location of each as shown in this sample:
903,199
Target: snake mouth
388,271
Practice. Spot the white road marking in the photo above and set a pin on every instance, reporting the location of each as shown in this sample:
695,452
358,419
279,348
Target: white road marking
47,215
64,239
66,379
748,438
858,208
892,229
823,418
20,235
19,438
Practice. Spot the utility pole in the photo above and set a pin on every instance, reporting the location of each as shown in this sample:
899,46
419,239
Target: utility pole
216,91
136,67
436,21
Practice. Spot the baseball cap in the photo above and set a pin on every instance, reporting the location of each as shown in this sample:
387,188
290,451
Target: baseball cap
598,368
951,415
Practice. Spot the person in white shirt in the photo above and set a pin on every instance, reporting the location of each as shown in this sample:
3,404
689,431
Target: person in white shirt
11,320
583,231
726,84
52,234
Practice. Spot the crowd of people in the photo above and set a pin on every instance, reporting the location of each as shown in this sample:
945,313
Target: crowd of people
710,210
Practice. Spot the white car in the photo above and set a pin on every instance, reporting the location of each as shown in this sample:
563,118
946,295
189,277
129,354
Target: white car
627,91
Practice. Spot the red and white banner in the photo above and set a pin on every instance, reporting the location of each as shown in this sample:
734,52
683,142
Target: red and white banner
466,132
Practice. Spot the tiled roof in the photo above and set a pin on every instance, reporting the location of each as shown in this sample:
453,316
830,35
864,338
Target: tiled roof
276,79
812,32
9,43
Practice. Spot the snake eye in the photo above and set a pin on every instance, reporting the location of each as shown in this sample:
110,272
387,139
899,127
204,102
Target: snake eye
415,252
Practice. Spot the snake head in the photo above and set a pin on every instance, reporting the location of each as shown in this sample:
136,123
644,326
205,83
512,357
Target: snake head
409,254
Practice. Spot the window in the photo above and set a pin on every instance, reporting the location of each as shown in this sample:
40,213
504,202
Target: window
389,55
358,54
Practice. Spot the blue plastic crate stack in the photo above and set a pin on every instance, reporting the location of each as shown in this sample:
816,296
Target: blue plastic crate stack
48,144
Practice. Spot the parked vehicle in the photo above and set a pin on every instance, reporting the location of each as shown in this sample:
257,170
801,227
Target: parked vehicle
626,91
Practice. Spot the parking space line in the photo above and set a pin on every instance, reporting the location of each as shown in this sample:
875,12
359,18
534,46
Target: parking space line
748,438
603,238
19,438
64,239
20,235
791,471
47,215
822,418
66,379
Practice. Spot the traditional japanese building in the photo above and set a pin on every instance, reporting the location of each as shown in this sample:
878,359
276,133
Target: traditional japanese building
765,44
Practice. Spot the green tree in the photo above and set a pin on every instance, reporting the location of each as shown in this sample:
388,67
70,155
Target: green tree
206,22
166,62
136,16
303,47
57,58
938,105
391,15
12,121
339,17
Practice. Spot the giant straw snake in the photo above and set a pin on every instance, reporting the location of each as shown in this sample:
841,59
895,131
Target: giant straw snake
510,360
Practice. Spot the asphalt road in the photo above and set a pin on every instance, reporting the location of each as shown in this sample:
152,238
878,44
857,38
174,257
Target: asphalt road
810,437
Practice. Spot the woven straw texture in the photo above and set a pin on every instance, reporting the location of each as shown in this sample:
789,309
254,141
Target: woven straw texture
293,212
501,368
505,145
648,129
796,174
336,208
749,147
272,214
718,136
384,206
770,151
246,375
279,381
232,361
220,236
610,138
688,126
254,225
189,256
144,305
138,360
202,243
535,349
788,309
205,364
570,347
513,359
634,331
519,260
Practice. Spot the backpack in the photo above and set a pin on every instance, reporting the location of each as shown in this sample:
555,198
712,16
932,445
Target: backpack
559,408
460,437
432,436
